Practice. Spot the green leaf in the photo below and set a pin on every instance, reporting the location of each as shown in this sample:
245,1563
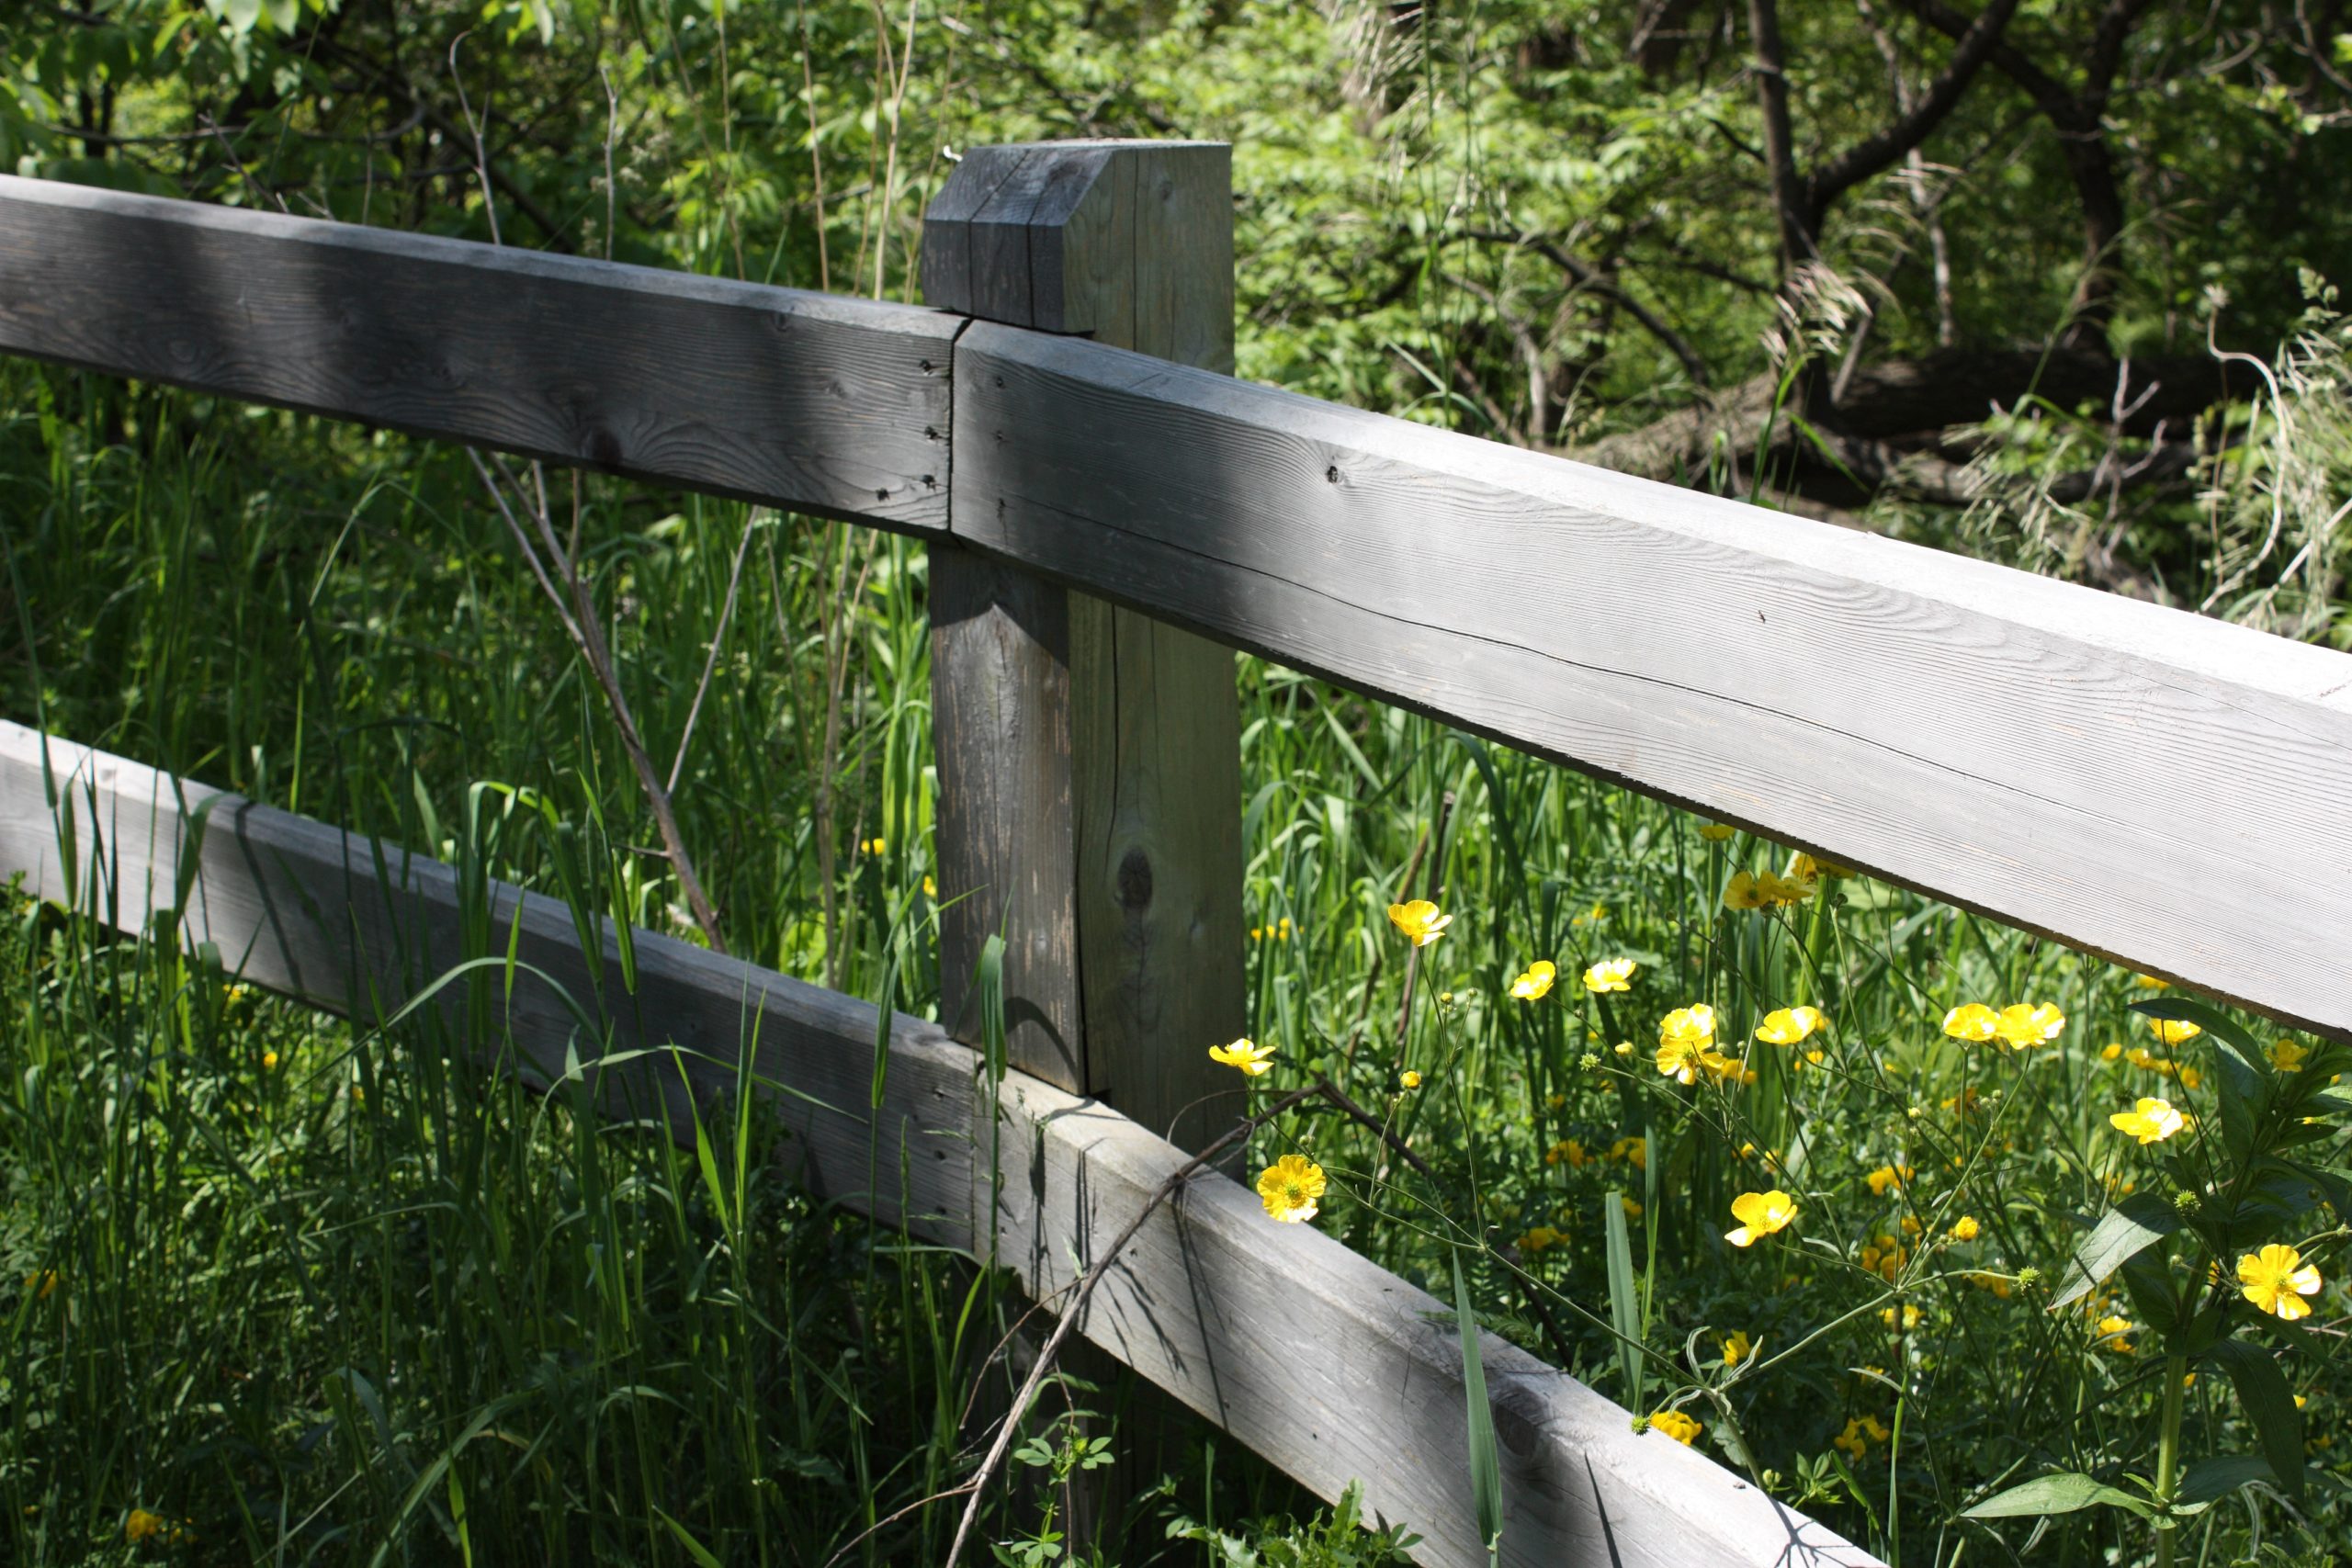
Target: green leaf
2209,1480
694,1549
1486,1465
2138,1222
2063,1493
1623,1312
2269,1406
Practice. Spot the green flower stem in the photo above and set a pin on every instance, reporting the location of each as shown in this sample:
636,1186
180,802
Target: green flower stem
2168,1446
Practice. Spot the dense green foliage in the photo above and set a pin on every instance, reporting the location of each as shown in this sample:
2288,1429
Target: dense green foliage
328,1294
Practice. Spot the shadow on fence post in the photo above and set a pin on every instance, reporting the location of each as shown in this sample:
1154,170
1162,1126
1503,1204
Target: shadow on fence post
1089,787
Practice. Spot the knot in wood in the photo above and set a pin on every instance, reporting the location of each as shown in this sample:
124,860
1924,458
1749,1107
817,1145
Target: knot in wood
1135,880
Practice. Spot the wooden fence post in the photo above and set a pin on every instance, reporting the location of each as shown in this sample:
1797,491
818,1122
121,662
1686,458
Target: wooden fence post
1090,782
1090,778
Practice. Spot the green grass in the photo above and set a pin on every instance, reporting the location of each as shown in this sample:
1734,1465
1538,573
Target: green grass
359,1302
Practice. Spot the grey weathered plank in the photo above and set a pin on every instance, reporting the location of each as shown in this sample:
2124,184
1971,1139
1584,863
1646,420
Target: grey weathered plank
2150,786
811,401
1332,1368
296,907
1006,840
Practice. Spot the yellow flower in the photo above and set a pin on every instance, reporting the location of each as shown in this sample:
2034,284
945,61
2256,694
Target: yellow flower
1972,1021
1290,1187
2150,983
1623,1047
2029,1024
2288,1055
1591,916
269,1061
1696,1022
2276,1281
1807,868
1997,1284
1859,1433
41,1282
1910,1317
1749,890
930,888
872,846
1536,981
1786,1026
1418,920
1676,1424
2111,1050
2173,1031
1566,1151
1609,975
2189,1078
1410,1079
2152,1123
1736,1346
1540,1238
1888,1176
1633,1210
1252,1059
1759,1215
1909,1225
1965,1228
140,1523
1716,832
2112,1330
1633,1151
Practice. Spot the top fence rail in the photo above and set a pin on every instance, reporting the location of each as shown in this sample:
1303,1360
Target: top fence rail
2152,787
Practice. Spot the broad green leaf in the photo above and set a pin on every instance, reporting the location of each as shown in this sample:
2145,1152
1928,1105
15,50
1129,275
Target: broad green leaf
2136,1222
2209,1480
2269,1406
2064,1493
1486,1465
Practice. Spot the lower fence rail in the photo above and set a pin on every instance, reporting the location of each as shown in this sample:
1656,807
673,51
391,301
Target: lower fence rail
1335,1370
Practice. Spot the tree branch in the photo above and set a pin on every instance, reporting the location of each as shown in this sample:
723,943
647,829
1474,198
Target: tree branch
1591,279
1912,126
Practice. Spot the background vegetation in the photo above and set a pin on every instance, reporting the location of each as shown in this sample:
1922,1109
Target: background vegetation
2056,292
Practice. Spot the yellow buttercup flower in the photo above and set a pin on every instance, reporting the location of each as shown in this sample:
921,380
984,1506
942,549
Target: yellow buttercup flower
269,1061
1810,868
1964,1228
1681,1060
2276,1281
1569,1152
1676,1424
2029,1025
1759,1215
1290,1189
1685,1038
1609,975
2152,1123
1859,1433
2150,983
1907,1322
1972,1022
1888,1176
1736,1348
2111,1331
138,1524
1535,981
1635,1152
1419,920
1540,1238
2110,1051
1749,890
1633,1210
1716,832
1252,1059
929,887
2173,1031
2289,1055
1410,1079
1787,1026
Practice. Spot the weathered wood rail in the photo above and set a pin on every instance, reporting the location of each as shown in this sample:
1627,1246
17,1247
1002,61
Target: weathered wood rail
1107,516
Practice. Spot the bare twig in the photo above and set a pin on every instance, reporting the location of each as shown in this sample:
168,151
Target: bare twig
717,638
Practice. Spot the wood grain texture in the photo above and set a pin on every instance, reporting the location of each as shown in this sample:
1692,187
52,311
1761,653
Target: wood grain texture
1006,839
809,401
2160,789
1333,1369
1336,1371
297,907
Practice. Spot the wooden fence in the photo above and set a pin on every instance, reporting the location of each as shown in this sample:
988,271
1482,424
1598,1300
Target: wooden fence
1108,514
